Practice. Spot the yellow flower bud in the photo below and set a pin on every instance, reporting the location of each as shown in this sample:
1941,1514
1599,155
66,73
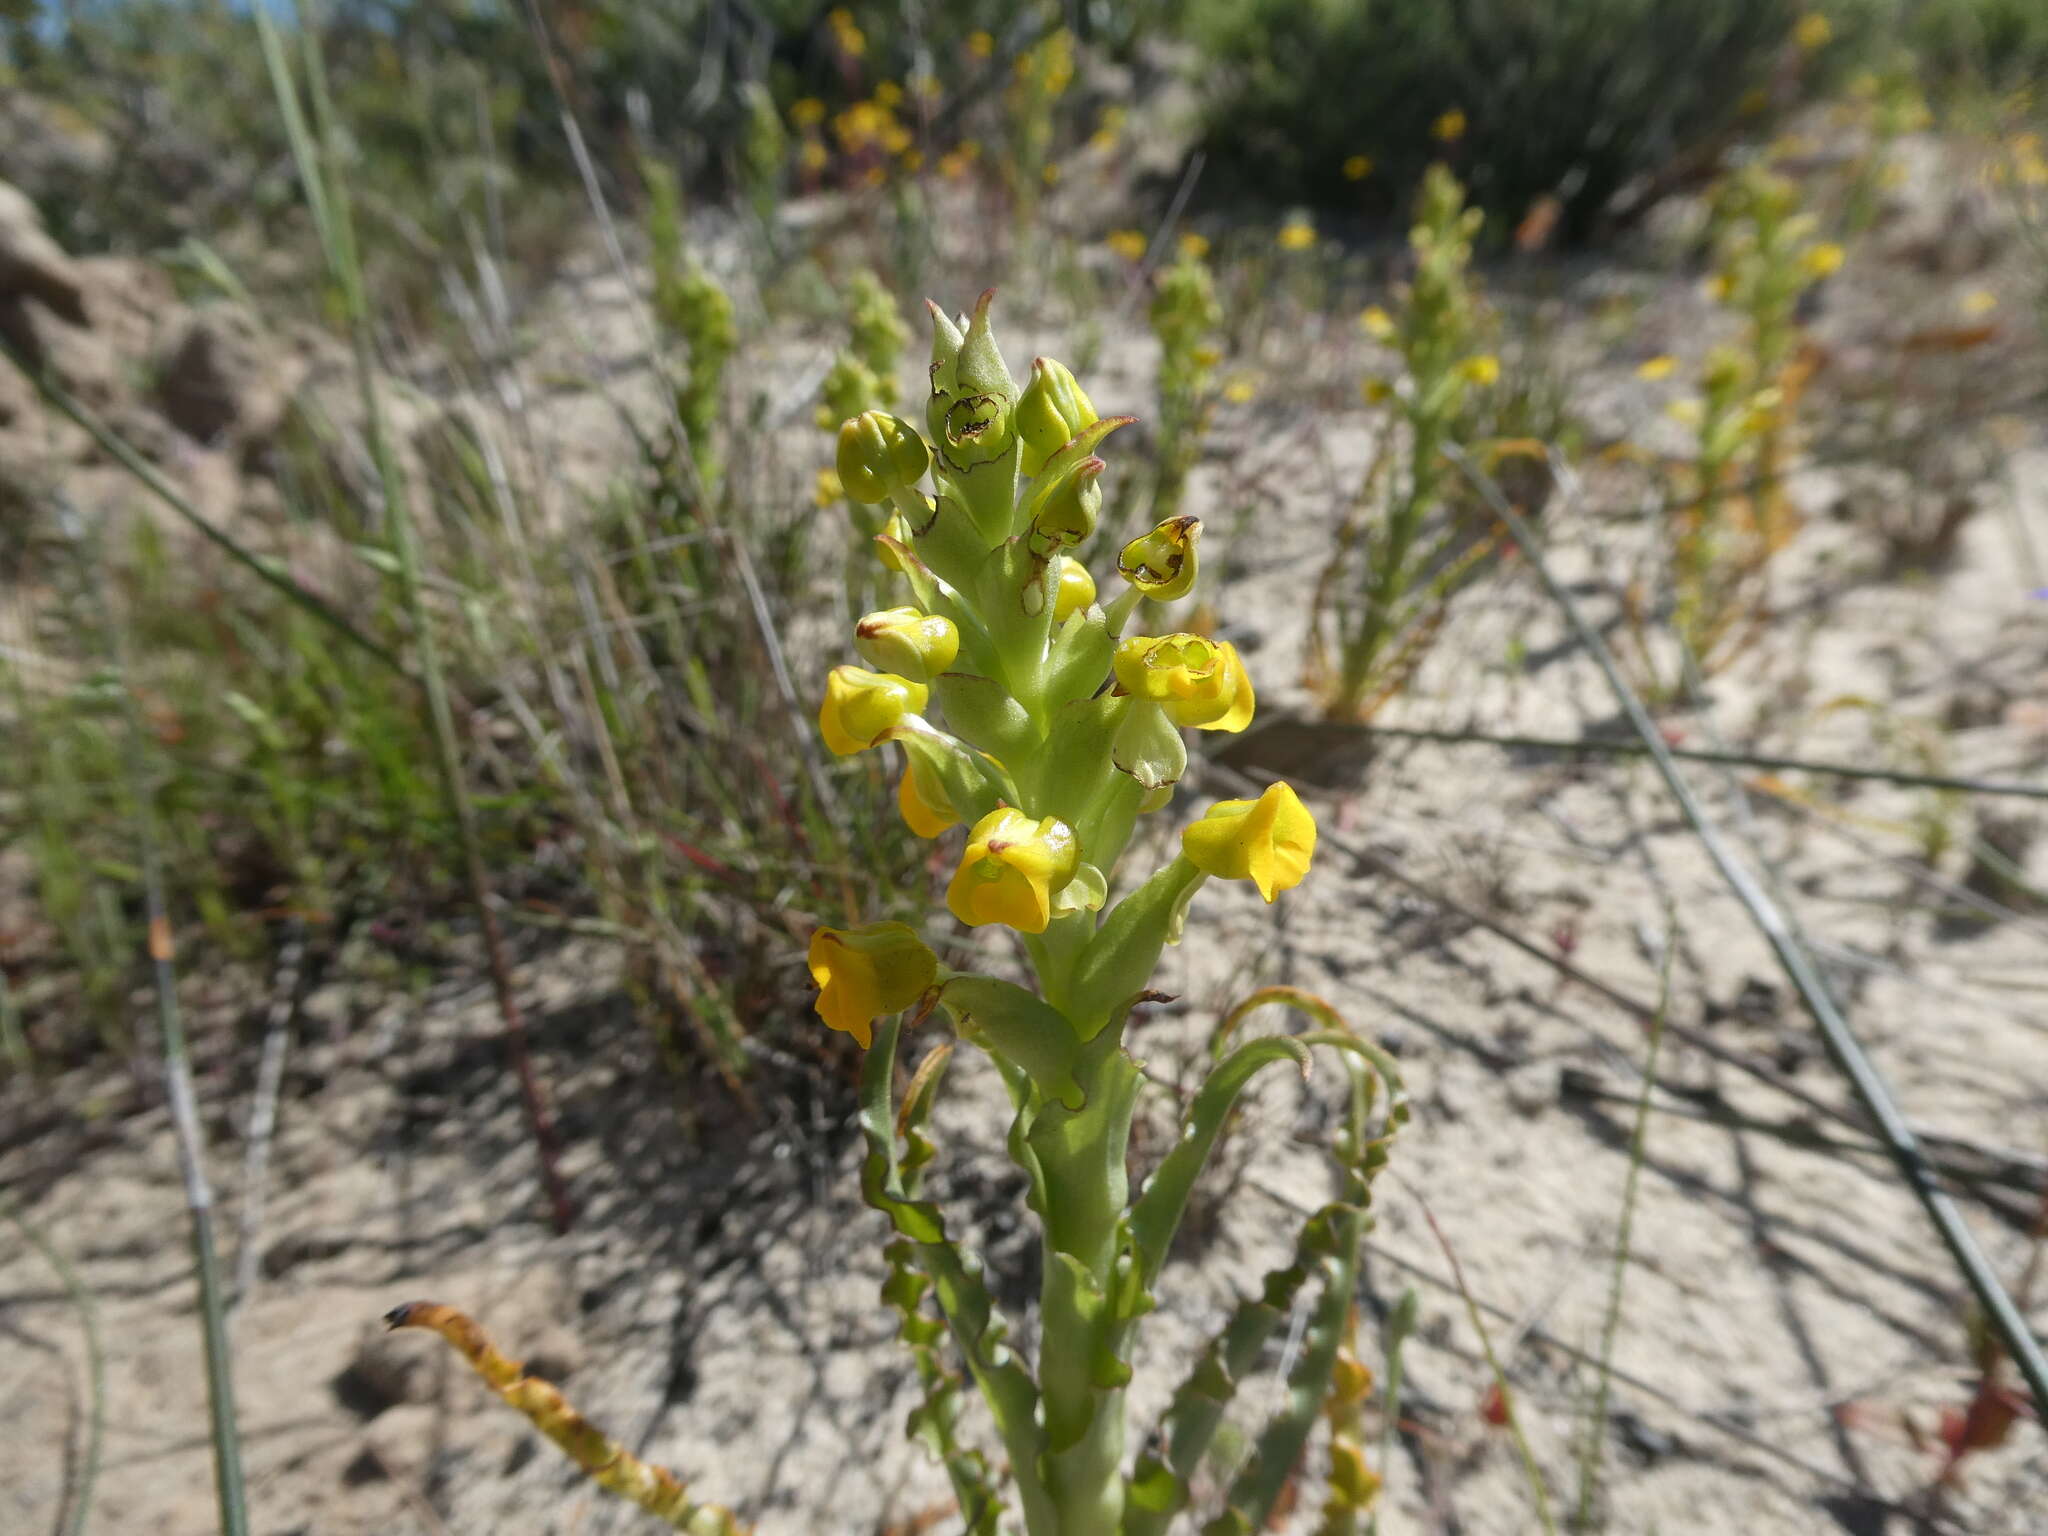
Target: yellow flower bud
1268,841
1076,589
862,707
863,973
1200,683
1161,564
878,454
926,809
907,642
1051,410
1012,869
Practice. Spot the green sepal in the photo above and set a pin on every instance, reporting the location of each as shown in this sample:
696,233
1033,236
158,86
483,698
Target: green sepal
982,711
1079,659
1148,747
1161,1202
1064,466
975,783
971,418
1086,892
1002,1017
924,586
1121,957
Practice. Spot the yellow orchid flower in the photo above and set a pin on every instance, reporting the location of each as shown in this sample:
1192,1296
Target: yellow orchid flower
1012,869
1200,682
861,707
1162,564
926,810
908,642
863,973
1268,841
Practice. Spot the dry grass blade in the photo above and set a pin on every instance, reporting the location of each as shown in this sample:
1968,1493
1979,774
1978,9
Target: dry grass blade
1627,748
1843,1048
184,1104
1610,1327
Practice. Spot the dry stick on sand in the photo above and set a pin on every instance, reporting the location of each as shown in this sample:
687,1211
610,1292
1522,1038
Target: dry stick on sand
1843,1048
603,1460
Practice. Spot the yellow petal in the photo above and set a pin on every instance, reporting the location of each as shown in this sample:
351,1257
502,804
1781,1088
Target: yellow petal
863,973
1269,841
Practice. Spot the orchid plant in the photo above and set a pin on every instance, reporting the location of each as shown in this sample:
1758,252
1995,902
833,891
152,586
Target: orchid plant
1047,722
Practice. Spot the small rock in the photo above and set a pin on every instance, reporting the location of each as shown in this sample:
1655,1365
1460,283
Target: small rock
1532,1089
218,377
399,1445
388,1368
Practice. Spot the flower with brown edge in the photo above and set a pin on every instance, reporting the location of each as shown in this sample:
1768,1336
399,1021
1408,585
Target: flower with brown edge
866,972
926,809
908,642
1012,869
1162,564
861,707
1076,590
1200,683
1268,841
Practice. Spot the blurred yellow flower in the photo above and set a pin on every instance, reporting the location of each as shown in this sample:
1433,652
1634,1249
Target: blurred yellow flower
1377,391
1239,390
1358,167
1687,413
1127,243
807,112
1376,323
1822,260
913,159
813,156
1050,175
1482,370
1194,246
852,41
1662,366
828,491
1813,32
1297,234
1979,301
889,94
980,44
1450,127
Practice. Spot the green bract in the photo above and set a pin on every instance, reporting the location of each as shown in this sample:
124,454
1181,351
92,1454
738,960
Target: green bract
1027,714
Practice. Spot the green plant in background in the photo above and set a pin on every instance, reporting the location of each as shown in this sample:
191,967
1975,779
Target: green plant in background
1042,74
1184,314
1575,100
692,307
1397,564
863,377
1732,515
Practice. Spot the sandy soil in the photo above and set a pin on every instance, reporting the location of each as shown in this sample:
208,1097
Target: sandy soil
1790,1319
